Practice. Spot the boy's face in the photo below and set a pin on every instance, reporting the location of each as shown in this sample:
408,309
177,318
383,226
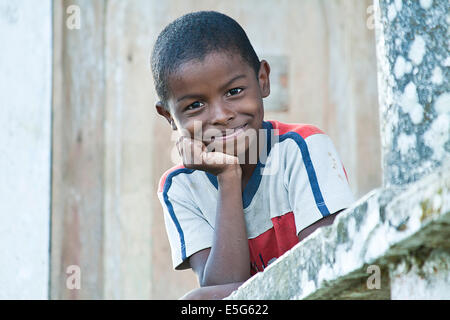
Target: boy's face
221,98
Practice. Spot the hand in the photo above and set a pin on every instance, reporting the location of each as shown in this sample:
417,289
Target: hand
195,155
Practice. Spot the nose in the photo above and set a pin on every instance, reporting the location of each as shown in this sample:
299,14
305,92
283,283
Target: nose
221,114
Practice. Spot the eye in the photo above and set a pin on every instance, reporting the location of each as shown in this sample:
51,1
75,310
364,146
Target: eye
234,92
193,106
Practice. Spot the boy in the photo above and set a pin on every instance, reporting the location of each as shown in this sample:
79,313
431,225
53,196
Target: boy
227,214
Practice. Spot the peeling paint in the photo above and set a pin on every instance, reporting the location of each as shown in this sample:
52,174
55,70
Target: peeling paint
417,50
410,103
442,104
392,12
400,67
405,143
437,136
436,77
426,4
413,90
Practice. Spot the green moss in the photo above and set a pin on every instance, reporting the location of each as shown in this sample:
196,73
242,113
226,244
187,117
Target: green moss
427,209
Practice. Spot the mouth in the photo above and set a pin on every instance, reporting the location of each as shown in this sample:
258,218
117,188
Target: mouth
230,133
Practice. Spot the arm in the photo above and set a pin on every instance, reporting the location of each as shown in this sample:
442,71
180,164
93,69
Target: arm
212,292
198,261
227,261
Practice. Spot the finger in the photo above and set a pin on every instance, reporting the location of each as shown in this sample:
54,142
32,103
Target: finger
187,149
179,147
197,151
191,150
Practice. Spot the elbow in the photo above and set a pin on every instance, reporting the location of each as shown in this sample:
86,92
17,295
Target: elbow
207,281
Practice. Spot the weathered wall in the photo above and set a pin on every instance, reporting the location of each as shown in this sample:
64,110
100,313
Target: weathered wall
413,49
423,279
78,147
25,142
414,63
102,151
129,151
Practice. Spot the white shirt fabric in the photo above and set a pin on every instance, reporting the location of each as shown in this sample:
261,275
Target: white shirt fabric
301,181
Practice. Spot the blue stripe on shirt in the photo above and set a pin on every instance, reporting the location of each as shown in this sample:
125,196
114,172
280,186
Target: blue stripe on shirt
309,169
167,185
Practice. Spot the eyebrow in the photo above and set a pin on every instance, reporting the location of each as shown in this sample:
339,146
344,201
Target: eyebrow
232,80
188,96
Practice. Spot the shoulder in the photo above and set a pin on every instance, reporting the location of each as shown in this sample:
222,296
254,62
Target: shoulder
294,140
299,136
167,178
292,129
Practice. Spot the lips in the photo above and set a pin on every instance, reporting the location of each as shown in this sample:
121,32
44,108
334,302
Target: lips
230,133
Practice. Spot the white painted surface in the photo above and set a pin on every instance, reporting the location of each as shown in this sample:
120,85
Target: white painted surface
431,281
410,103
25,144
417,50
436,77
426,4
405,142
399,67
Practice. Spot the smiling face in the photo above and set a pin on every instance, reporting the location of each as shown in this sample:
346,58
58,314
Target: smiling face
220,98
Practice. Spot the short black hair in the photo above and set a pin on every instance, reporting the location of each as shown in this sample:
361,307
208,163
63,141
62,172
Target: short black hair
192,37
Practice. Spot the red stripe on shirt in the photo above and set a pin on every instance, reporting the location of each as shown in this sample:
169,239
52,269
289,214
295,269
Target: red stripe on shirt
162,181
345,172
304,130
271,244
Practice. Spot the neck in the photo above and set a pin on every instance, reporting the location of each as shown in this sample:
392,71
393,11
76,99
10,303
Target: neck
247,166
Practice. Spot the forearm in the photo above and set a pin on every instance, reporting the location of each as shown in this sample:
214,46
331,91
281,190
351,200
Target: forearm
212,292
228,260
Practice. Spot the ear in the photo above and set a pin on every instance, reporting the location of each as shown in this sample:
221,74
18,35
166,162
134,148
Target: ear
166,114
263,78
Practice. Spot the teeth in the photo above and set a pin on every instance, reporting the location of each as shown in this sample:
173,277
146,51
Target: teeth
230,132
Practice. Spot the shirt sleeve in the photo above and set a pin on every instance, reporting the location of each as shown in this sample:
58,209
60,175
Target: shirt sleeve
316,180
187,229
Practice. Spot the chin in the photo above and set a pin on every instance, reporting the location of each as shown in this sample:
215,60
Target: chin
245,149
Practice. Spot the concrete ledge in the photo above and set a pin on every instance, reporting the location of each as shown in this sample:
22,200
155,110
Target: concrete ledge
385,229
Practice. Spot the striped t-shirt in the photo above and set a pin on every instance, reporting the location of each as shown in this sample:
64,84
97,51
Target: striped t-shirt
300,181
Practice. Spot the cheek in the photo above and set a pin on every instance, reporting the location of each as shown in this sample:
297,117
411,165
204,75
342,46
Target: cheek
256,109
251,104
192,129
185,129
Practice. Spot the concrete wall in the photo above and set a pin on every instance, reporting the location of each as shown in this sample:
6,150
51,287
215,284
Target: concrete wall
25,141
102,151
414,65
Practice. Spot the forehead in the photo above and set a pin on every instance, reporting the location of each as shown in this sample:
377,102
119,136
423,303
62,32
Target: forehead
211,72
